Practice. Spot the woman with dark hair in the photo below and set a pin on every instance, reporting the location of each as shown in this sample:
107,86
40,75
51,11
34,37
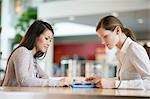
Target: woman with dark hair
133,68
22,68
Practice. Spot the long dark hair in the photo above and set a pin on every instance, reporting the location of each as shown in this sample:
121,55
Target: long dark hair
28,41
110,22
34,31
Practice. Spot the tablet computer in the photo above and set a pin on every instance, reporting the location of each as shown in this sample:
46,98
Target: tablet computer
83,85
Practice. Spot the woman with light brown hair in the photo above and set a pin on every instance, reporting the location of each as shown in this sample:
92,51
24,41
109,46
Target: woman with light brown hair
133,64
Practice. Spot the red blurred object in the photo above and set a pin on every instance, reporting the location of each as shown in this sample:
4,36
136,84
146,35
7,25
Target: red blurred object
86,50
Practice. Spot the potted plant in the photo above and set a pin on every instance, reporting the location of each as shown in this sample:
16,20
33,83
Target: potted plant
23,23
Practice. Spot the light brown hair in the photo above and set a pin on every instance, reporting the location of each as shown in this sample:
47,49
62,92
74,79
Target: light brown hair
110,22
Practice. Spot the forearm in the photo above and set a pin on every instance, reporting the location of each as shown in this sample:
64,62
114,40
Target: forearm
39,82
132,84
30,81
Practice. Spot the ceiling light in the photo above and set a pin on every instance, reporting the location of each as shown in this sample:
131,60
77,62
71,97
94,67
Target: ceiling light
140,20
115,14
71,18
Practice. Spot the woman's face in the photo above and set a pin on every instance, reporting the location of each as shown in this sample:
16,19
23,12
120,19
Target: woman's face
43,41
109,38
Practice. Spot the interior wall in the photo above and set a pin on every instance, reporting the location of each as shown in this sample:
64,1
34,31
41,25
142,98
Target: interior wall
76,39
86,50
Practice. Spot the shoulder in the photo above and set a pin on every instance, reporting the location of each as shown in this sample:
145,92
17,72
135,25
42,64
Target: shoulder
136,49
22,51
134,46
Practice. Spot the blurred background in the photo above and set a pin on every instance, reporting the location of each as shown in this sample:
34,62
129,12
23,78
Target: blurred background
76,50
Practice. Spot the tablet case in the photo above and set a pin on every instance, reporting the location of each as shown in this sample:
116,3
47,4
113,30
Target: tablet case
83,85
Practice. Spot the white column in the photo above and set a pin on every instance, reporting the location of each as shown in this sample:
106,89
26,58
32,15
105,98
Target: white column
7,28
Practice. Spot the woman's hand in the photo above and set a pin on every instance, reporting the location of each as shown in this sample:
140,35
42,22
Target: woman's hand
107,83
63,82
102,82
92,79
96,80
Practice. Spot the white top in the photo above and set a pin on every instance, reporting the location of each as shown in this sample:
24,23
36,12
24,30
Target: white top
133,67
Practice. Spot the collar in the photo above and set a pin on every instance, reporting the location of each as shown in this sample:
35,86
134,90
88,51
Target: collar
126,44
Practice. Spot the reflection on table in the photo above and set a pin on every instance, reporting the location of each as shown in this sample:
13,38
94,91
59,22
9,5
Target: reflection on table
70,93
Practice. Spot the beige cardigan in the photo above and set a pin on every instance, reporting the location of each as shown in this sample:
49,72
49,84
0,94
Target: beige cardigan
20,71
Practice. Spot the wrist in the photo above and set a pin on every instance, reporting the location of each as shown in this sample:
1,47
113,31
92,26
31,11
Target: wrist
117,84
